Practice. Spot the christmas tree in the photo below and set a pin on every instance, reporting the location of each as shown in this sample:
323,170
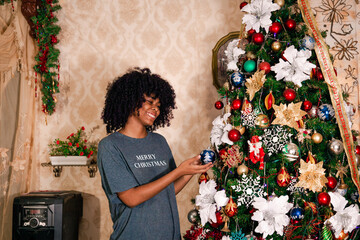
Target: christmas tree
283,151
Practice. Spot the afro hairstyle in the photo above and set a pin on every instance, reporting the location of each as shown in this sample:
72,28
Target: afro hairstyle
126,94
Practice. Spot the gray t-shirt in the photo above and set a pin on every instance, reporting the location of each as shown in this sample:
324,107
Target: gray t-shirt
126,162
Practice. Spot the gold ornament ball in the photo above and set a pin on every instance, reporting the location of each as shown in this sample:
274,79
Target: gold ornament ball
276,46
281,3
250,55
317,138
242,169
262,121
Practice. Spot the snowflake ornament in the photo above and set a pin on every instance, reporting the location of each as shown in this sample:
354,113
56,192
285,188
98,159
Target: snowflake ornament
238,235
296,69
247,188
275,138
271,215
248,118
220,130
292,189
258,14
232,53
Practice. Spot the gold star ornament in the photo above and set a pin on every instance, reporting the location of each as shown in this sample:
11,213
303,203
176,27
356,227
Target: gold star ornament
255,83
288,114
312,176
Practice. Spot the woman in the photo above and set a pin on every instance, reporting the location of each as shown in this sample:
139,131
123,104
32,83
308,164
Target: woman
137,169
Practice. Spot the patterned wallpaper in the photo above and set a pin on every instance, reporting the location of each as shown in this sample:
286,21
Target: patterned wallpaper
102,39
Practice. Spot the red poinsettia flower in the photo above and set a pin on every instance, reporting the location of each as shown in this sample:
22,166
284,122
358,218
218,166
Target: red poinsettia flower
82,153
77,145
70,144
83,128
91,152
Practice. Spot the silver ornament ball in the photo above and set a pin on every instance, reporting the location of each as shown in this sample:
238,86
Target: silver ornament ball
291,151
336,146
193,216
313,112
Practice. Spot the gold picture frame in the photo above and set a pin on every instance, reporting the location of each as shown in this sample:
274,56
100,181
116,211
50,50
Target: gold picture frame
219,61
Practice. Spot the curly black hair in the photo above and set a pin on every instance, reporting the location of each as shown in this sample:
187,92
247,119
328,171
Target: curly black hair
126,94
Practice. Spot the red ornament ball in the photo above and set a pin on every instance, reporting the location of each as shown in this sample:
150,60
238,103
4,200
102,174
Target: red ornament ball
265,66
332,182
319,75
258,38
251,32
290,24
323,198
275,27
306,106
243,4
219,220
234,135
219,105
289,94
223,154
236,104
357,149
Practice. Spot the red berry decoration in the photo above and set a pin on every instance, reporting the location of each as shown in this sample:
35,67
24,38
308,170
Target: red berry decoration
275,27
289,94
219,105
323,198
236,104
332,182
290,24
306,106
357,149
234,135
258,38
243,4
265,66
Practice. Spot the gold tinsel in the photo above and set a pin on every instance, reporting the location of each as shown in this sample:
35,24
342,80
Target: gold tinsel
288,115
255,83
312,176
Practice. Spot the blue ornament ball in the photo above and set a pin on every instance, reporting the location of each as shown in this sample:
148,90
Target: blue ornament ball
250,66
308,42
326,112
207,156
237,79
297,213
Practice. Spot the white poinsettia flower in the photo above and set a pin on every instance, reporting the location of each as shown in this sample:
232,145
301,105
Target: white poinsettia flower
271,214
232,53
259,13
209,200
346,218
220,130
226,238
296,69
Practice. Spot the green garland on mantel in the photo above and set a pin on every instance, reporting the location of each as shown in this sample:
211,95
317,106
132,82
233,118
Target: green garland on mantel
47,66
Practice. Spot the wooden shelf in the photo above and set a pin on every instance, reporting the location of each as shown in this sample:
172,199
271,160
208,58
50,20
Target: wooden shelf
57,169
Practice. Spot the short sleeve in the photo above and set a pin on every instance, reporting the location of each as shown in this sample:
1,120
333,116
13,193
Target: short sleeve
115,172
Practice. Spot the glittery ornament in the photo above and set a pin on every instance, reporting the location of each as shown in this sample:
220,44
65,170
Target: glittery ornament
325,112
297,213
288,114
193,216
258,38
262,121
237,79
283,177
276,46
323,198
336,146
248,119
275,138
291,151
247,188
231,208
269,100
204,177
308,42
312,176
219,105
207,156
313,112
326,233
238,235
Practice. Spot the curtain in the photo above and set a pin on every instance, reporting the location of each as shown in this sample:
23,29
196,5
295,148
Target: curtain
17,111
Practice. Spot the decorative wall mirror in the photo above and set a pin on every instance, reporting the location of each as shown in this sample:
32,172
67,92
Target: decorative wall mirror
219,61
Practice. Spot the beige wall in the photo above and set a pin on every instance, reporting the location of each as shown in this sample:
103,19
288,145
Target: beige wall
101,40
